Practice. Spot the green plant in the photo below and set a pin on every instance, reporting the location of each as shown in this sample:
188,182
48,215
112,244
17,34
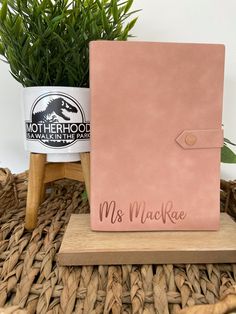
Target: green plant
46,42
227,155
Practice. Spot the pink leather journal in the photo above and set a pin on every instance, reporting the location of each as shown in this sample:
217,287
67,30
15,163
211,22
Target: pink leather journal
155,135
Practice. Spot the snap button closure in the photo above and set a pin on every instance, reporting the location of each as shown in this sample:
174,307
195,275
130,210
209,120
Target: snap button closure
190,139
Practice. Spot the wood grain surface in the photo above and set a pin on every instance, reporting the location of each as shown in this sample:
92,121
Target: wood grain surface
81,246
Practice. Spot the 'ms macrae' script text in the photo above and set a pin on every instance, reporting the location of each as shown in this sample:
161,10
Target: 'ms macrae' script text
138,211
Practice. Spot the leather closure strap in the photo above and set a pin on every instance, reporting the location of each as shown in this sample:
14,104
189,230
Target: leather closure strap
193,139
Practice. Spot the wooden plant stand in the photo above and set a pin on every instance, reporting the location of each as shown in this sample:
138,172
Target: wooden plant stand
41,173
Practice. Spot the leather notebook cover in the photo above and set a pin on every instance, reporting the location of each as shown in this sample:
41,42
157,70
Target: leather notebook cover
156,135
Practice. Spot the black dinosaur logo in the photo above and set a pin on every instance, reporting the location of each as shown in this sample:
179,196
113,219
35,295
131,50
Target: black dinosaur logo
58,122
55,108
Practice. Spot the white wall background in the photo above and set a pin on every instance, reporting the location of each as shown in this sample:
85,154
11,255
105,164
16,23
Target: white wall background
203,21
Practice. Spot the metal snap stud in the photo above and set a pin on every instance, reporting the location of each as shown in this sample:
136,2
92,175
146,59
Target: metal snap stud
190,139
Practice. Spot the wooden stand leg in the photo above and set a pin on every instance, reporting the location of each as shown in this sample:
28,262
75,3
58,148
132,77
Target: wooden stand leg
85,163
35,189
41,173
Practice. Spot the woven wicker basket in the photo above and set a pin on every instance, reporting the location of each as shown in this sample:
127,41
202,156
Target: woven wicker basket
32,282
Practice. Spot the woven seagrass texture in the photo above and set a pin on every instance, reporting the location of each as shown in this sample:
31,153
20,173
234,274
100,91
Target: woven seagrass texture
11,189
32,282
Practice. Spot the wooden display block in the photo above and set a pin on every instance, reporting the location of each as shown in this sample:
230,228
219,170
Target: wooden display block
81,246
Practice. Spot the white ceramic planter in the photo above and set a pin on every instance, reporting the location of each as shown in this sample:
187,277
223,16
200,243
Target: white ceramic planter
57,121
